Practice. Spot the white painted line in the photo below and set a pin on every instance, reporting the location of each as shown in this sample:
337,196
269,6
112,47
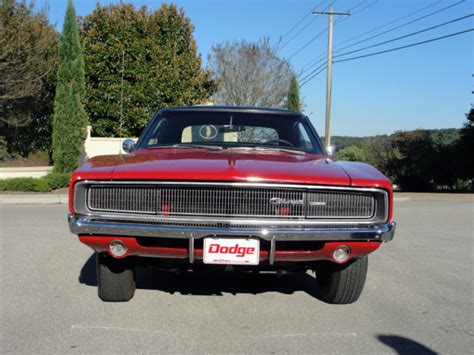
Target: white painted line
306,335
119,329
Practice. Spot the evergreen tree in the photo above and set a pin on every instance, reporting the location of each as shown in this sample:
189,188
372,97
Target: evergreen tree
293,101
70,118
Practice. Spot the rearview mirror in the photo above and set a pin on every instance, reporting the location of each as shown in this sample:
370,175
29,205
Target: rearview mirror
232,129
128,145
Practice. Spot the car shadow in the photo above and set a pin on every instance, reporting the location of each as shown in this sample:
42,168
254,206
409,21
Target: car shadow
214,283
404,345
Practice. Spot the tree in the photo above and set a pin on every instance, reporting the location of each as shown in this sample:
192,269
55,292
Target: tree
28,61
352,153
249,74
466,148
412,160
293,100
160,68
70,117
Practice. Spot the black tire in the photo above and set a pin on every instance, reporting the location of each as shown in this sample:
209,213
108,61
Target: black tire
342,284
115,278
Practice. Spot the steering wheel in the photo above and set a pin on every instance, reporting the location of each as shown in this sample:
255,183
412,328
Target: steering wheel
277,141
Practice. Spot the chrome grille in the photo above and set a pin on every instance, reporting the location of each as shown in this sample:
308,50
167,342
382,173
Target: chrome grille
340,204
231,201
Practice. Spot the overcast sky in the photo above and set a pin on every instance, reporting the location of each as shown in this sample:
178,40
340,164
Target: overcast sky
427,86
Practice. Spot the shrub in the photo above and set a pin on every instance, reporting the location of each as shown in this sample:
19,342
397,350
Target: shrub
47,183
3,149
58,180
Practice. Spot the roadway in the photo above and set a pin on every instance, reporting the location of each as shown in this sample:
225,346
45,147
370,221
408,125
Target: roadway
418,296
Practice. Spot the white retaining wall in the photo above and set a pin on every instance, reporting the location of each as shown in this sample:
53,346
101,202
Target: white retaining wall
35,172
94,146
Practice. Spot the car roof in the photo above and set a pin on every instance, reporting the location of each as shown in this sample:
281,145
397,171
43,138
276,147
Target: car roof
230,109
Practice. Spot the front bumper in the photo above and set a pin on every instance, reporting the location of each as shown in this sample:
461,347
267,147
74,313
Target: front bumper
87,226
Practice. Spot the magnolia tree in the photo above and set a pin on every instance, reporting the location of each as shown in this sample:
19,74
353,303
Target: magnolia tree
138,61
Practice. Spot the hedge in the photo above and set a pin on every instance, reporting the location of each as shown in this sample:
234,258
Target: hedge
49,182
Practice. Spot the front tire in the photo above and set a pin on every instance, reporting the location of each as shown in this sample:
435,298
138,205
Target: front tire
342,284
115,278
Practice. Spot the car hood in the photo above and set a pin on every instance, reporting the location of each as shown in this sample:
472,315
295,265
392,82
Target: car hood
228,165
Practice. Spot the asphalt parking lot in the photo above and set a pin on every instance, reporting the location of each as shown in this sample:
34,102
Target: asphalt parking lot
418,297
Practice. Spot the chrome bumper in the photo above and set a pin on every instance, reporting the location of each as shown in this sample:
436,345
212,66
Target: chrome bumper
87,226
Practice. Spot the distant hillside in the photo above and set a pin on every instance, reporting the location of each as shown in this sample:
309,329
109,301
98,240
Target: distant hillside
440,136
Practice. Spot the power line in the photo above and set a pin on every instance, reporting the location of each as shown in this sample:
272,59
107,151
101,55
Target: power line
320,58
302,29
300,21
403,25
313,74
407,46
307,43
324,31
405,36
388,23
390,50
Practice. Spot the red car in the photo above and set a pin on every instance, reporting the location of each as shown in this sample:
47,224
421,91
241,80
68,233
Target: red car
230,188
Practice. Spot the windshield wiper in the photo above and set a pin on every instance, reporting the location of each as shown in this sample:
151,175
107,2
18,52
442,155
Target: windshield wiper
189,146
276,149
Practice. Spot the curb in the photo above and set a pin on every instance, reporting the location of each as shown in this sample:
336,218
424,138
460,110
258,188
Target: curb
33,199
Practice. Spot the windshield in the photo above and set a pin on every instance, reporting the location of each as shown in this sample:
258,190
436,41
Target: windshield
229,130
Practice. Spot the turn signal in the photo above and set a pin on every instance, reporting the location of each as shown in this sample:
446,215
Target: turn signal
117,248
341,253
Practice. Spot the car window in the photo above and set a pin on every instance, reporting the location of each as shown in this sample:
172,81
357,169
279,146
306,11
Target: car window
230,129
227,133
305,140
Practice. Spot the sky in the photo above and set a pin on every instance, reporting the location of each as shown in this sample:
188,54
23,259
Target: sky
427,86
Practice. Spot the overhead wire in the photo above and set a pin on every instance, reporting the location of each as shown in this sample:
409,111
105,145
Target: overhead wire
389,50
319,34
300,21
403,25
407,46
321,57
302,29
405,36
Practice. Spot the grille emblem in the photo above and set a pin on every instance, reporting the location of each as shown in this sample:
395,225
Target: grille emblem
284,201
318,203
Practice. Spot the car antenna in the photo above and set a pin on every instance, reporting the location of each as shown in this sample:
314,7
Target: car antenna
121,107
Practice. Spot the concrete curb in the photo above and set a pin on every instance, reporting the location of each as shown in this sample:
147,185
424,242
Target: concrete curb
33,199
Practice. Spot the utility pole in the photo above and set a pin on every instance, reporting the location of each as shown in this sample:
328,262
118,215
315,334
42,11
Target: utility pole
327,130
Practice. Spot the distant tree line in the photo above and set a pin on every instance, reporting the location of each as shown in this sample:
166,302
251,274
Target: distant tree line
420,160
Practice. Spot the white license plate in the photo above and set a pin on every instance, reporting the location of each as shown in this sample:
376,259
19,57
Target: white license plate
236,251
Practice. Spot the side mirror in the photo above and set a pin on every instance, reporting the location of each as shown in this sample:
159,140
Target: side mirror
128,145
331,150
